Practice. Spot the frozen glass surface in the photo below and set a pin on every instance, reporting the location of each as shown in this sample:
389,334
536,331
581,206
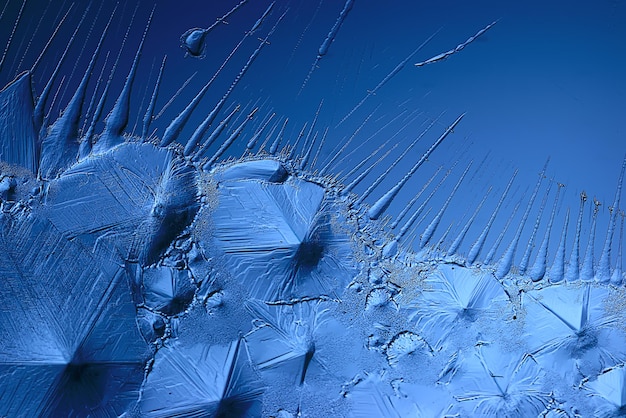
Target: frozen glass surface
312,209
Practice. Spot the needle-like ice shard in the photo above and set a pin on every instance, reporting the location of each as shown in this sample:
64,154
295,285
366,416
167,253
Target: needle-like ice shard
337,153
386,79
43,98
587,273
372,136
307,149
539,268
204,126
86,144
391,248
391,166
573,268
260,20
414,199
365,172
8,45
196,137
459,47
147,119
175,96
459,239
291,152
252,141
430,229
492,252
4,9
60,147
504,266
176,126
604,266
557,272
51,38
616,277
323,49
307,154
439,245
383,203
274,147
530,245
216,132
116,121
229,141
474,252
269,136
319,148
84,150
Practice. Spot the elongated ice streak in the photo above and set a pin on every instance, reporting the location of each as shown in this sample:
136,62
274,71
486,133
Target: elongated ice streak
459,239
8,45
323,49
587,273
573,269
430,230
278,239
228,141
604,266
177,124
253,141
383,203
60,147
369,169
458,48
387,78
391,248
147,120
116,121
539,268
523,265
43,97
480,242
558,268
507,258
414,199
380,178
617,278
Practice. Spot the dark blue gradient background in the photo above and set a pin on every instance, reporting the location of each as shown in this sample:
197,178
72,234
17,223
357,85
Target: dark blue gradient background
546,80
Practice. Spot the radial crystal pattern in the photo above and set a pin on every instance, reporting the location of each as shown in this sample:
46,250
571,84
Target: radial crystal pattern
174,242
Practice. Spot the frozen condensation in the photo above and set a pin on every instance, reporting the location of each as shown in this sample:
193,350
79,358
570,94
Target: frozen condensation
161,274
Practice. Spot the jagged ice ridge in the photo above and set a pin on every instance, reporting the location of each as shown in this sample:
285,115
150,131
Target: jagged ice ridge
156,275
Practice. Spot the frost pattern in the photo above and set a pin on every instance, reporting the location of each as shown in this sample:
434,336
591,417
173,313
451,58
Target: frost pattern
144,277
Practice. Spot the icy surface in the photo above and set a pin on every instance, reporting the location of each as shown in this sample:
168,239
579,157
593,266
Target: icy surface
282,240
67,345
17,130
140,276
201,380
